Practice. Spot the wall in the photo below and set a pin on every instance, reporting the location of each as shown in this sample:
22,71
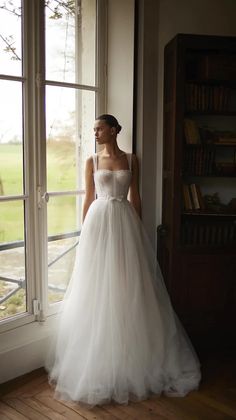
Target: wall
146,109
120,65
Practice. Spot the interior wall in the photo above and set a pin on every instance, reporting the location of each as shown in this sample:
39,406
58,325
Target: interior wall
120,67
146,109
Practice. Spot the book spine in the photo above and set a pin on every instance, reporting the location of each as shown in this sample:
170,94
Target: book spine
194,197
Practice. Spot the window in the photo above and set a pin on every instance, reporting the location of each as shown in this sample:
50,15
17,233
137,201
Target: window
51,87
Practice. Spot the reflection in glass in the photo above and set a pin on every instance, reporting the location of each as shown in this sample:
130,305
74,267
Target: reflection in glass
11,149
10,37
63,219
71,41
70,140
12,261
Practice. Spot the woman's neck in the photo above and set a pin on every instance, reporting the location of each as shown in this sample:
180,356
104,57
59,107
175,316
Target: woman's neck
112,150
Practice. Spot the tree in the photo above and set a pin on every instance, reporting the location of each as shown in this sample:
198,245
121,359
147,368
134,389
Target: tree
58,9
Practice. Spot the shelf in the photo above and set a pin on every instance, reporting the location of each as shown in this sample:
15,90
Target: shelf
210,214
208,145
212,82
208,249
189,113
191,175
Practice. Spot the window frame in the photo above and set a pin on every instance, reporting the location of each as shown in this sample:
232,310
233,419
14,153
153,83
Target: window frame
34,143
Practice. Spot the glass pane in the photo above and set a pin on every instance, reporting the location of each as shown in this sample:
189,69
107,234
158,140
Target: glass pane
10,37
11,149
71,41
70,117
64,217
12,259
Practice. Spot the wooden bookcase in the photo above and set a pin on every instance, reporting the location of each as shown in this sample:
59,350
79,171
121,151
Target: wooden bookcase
197,238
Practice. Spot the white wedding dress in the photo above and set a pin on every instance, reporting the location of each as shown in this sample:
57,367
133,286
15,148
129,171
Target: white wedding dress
118,337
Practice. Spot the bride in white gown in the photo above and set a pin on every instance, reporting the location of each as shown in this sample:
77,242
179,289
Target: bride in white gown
118,337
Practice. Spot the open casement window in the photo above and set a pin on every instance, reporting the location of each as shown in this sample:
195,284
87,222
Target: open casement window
51,88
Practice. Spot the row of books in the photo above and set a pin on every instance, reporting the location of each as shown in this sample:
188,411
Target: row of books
192,197
199,161
195,134
200,97
208,234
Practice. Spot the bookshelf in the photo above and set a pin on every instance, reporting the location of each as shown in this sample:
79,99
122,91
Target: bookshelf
197,238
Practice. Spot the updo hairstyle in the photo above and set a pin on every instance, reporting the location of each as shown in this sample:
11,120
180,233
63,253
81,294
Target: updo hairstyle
111,121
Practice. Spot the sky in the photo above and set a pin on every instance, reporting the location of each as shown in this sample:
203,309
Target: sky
59,66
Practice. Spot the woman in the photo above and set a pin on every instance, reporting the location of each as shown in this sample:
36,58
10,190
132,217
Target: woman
118,338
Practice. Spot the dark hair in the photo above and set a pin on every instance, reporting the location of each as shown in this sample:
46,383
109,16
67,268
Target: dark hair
111,121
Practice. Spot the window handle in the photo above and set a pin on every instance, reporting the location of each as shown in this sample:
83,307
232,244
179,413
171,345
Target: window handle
42,198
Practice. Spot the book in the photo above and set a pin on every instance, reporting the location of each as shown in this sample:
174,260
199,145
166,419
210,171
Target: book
194,197
187,198
200,197
191,131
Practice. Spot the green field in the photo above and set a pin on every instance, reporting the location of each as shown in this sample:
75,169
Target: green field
61,176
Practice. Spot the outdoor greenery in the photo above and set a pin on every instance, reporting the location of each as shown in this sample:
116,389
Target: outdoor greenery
61,177
14,305
61,173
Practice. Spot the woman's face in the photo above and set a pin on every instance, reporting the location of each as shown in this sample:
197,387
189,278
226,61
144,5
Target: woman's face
103,132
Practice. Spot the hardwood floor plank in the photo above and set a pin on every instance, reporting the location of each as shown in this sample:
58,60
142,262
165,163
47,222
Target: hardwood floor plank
24,409
48,393
115,410
56,406
6,412
178,411
213,402
18,383
36,389
97,412
157,404
37,405
138,411
196,410
28,388
154,410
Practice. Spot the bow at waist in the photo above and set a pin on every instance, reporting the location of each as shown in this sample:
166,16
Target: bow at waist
112,198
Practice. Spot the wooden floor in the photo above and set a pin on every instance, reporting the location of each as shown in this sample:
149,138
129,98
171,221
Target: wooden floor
30,397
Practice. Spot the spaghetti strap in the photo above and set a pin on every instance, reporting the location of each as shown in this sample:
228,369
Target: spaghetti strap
95,162
129,158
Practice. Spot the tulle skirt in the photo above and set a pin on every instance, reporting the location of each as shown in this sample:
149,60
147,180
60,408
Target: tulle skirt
118,337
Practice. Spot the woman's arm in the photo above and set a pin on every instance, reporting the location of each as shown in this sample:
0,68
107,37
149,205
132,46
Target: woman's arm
134,196
89,187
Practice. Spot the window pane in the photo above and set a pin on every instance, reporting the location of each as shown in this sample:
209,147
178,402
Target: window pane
64,217
12,259
59,272
11,149
71,41
70,140
10,37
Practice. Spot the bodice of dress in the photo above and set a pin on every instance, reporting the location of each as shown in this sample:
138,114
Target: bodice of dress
112,184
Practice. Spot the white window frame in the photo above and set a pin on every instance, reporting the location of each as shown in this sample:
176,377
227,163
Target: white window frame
35,151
